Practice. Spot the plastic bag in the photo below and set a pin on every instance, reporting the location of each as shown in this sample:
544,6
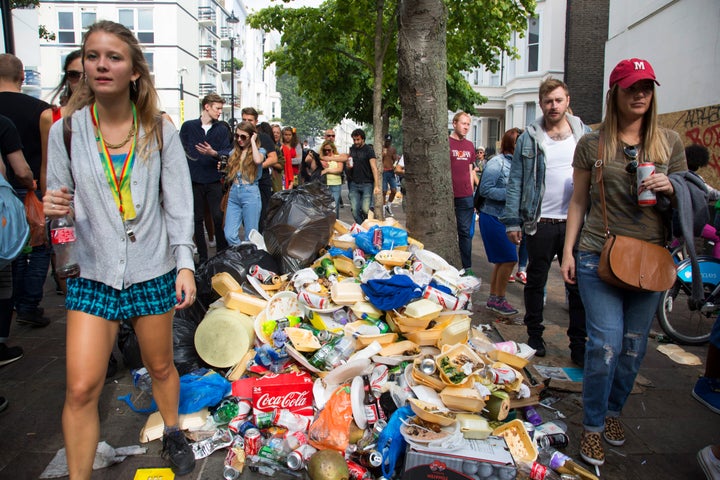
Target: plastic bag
233,260
392,237
36,219
331,429
197,391
391,444
299,224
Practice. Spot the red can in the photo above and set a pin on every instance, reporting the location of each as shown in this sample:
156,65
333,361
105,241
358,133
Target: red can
645,197
445,300
313,299
253,441
357,471
265,276
377,238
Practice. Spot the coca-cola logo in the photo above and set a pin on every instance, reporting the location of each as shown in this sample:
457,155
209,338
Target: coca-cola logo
290,400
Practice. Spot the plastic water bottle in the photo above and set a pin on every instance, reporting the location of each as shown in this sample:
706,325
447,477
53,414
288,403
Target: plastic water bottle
142,380
62,235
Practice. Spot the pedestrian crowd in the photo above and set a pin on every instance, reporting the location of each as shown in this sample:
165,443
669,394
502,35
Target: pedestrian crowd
109,158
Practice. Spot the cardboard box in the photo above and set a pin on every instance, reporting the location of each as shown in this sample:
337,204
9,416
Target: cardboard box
488,458
284,391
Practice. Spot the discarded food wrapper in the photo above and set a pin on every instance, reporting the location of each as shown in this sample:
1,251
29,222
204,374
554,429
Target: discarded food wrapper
678,354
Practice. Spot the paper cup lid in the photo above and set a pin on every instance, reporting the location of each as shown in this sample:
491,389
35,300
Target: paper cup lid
223,337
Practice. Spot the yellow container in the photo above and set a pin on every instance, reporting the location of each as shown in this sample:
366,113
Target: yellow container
518,441
224,283
244,303
462,399
430,413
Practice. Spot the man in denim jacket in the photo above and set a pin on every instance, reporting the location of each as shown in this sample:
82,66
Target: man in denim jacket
543,157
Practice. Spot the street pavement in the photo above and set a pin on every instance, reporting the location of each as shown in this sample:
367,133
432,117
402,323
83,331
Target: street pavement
665,426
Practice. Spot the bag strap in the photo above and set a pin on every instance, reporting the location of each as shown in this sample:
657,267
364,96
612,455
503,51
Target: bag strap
599,163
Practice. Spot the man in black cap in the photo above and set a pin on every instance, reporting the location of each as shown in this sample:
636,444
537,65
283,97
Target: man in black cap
389,158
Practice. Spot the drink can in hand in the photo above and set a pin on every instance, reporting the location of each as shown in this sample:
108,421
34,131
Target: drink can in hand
645,197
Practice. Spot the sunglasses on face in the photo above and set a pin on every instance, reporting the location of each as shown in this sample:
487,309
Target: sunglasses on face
330,135
631,153
241,137
327,151
74,74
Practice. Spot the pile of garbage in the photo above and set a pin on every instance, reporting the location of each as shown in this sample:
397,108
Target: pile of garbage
349,355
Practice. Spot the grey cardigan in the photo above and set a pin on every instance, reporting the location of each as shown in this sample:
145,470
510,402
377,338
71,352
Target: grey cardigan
164,223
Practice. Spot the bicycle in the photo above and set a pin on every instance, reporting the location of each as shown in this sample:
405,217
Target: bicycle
684,325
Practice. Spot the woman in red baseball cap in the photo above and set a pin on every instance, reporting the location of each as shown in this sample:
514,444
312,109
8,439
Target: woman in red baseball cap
618,321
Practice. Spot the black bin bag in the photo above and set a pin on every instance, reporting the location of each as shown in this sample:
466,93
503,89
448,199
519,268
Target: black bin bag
298,225
236,261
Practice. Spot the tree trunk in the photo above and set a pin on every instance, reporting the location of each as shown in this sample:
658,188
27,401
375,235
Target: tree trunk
377,103
422,76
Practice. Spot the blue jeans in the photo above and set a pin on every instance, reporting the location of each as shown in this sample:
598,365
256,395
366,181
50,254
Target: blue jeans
360,196
29,271
618,323
335,192
464,213
243,208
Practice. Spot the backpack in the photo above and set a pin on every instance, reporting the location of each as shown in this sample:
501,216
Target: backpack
14,229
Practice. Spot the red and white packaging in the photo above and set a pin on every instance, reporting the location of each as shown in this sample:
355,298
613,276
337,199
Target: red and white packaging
284,391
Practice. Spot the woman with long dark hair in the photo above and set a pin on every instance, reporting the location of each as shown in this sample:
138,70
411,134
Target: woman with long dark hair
127,187
243,173
618,320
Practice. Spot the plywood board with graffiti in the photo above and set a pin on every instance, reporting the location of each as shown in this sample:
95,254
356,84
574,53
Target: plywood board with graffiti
701,126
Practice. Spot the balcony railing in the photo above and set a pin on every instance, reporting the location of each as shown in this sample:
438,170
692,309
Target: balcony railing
207,54
206,89
206,16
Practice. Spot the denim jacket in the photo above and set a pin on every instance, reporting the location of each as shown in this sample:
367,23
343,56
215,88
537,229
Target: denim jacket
526,182
493,185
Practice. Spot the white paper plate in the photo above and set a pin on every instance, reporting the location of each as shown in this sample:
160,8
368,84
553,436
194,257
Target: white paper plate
343,373
432,260
357,402
283,304
257,286
332,308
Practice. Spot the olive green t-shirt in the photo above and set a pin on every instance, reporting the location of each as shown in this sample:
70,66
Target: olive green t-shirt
625,216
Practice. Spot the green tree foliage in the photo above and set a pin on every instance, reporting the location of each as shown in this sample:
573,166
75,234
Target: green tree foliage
331,50
308,121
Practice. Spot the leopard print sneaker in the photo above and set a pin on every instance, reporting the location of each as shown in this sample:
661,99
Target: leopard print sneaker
614,433
591,449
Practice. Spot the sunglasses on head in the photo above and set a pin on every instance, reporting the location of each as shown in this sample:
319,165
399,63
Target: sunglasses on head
241,136
74,74
631,153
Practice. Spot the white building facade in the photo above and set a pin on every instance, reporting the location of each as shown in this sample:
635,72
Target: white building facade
187,44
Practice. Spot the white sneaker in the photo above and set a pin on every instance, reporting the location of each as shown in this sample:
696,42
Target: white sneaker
709,463
389,210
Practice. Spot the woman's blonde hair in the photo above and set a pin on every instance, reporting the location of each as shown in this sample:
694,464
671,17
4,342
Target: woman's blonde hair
142,90
654,148
241,160
331,144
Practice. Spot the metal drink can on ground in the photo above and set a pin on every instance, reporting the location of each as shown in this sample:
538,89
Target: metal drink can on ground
645,197
358,258
313,300
253,441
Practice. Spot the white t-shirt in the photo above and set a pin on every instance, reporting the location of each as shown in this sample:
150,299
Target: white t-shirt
558,176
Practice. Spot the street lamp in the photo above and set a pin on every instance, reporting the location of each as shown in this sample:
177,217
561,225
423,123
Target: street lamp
232,19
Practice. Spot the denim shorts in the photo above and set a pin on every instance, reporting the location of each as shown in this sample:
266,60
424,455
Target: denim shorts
152,297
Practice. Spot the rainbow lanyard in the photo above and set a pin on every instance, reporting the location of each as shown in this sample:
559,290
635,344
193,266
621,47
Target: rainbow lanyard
120,187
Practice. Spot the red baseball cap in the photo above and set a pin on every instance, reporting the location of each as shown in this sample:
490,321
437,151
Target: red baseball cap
632,70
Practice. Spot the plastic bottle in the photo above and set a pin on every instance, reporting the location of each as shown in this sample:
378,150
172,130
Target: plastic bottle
532,415
319,358
342,349
226,412
563,464
382,326
62,235
142,380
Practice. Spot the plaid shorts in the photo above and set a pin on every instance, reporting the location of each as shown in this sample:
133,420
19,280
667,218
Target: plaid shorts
153,297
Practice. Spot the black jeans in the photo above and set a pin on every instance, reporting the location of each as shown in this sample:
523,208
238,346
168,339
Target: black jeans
266,193
542,247
210,194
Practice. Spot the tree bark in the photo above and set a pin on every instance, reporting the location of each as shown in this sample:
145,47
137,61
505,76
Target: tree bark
422,76
377,104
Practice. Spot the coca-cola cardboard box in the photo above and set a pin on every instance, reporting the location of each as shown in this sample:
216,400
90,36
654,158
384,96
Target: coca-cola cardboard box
288,391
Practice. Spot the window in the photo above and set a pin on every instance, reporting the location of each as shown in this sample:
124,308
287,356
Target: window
87,19
533,44
477,76
150,59
510,115
66,27
529,113
493,126
141,26
475,134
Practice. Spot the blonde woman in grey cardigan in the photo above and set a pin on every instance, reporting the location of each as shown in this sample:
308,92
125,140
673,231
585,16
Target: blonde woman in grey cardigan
126,183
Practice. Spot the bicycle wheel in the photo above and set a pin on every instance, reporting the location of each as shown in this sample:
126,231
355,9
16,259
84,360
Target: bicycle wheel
685,326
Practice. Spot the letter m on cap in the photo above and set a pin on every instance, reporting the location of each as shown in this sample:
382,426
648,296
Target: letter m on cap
639,65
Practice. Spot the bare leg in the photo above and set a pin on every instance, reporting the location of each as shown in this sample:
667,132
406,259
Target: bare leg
499,279
89,343
154,335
